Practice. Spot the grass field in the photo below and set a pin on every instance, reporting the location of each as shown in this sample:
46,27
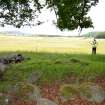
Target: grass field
49,44
71,56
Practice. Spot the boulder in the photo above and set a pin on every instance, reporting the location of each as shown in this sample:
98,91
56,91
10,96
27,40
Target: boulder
2,70
26,91
19,58
44,101
93,93
88,91
5,99
4,61
68,92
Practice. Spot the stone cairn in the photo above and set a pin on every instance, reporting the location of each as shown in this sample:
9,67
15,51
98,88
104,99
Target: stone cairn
11,59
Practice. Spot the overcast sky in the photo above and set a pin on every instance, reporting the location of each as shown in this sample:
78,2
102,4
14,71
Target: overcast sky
97,14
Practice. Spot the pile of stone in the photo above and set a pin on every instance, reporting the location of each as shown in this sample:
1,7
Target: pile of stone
11,59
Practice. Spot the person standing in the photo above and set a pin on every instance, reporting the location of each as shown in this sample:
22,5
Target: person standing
94,46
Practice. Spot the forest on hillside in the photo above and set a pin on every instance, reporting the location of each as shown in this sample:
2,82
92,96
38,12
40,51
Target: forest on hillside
98,35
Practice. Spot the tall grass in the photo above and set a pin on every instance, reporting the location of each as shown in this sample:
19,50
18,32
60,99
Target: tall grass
54,67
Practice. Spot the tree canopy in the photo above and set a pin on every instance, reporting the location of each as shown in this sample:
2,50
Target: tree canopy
71,14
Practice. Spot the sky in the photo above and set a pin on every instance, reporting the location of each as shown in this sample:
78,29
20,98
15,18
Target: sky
96,13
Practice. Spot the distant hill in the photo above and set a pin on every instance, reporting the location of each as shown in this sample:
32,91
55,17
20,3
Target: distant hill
98,35
19,33
13,33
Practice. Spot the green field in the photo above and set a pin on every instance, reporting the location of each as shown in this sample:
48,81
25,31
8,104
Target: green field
71,56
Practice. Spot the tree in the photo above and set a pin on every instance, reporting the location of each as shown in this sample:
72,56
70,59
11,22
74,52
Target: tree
71,14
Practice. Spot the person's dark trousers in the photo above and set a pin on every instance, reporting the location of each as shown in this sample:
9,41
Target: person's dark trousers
94,50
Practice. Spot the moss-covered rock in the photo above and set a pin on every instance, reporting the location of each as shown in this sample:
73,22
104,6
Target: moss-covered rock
26,91
5,99
89,91
68,91
92,92
44,101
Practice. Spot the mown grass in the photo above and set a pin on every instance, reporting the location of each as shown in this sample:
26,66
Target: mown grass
54,67
49,44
